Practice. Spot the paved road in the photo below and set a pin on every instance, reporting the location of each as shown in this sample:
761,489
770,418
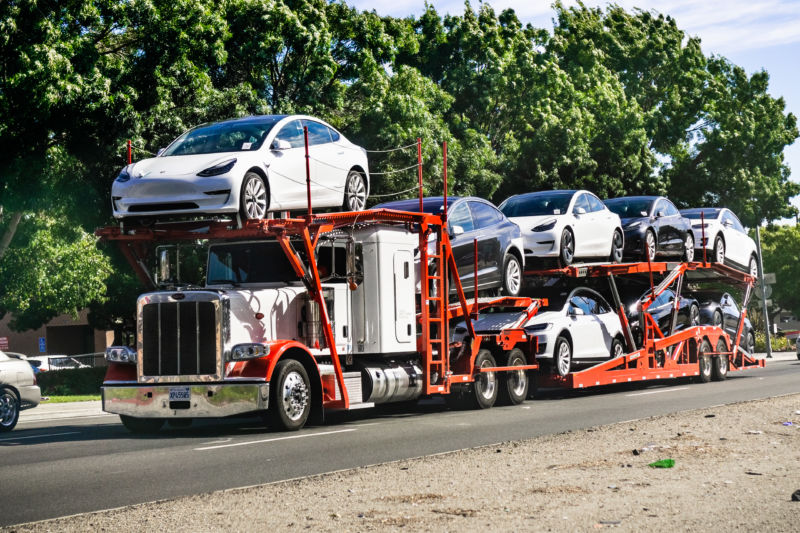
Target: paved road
84,461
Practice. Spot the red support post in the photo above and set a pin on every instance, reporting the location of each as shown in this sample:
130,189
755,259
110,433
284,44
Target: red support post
130,152
703,233
475,278
308,172
419,170
444,151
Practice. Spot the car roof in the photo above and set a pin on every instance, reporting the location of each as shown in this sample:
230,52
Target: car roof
430,204
705,210
620,198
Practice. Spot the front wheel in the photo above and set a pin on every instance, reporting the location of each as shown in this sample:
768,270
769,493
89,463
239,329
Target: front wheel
562,357
290,396
753,267
617,245
355,192
617,348
694,315
688,248
141,426
567,249
719,250
9,409
253,199
649,246
512,276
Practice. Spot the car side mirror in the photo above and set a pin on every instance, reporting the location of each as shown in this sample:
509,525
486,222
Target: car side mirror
727,223
580,211
280,144
160,151
456,230
576,311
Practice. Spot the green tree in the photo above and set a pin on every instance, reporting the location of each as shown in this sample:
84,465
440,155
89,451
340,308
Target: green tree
780,252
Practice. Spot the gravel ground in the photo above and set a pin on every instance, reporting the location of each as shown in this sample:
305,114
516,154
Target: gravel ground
736,468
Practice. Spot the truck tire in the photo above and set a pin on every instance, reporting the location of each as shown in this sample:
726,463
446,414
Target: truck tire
514,384
9,409
704,361
290,396
482,393
141,426
720,368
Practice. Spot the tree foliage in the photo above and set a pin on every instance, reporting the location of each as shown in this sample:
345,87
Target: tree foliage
780,252
616,101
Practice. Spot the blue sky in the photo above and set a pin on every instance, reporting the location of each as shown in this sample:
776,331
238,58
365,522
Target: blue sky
754,34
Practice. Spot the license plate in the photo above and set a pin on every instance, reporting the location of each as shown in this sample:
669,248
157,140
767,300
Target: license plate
179,394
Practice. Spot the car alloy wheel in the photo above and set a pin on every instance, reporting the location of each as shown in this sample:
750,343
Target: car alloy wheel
9,409
512,276
567,253
719,250
355,195
617,244
753,266
688,248
694,315
254,197
649,245
562,356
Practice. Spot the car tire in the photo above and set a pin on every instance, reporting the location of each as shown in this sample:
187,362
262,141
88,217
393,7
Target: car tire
719,250
290,396
482,393
253,198
704,362
753,266
694,315
716,319
141,426
721,363
649,245
751,343
355,192
562,356
514,384
512,276
566,252
9,409
617,246
617,348
688,248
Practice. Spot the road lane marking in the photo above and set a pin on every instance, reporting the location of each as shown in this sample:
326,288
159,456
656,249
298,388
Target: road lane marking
657,391
40,436
273,440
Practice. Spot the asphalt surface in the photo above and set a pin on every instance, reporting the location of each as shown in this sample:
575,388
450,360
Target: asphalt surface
63,460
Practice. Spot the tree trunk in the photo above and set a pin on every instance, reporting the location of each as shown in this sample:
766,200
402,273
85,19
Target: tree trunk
9,233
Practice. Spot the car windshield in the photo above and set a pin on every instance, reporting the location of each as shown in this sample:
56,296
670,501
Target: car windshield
537,204
630,207
710,213
233,136
262,262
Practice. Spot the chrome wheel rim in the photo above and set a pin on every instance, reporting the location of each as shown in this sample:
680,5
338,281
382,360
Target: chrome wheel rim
255,198
486,382
694,316
753,267
513,276
516,381
356,193
618,350
719,251
717,321
616,247
567,247
294,396
562,359
689,247
8,409
651,245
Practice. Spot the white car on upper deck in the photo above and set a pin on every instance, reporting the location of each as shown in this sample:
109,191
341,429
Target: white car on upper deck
249,166
719,231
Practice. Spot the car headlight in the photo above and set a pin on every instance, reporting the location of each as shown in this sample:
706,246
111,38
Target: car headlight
218,169
546,225
121,354
244,352
539,327
123,176
634,225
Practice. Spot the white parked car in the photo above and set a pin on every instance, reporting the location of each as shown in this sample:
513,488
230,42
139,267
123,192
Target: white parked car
726,240
18,389
248,166
566,225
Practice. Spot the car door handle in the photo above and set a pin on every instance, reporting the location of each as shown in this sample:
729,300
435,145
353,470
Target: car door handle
340,153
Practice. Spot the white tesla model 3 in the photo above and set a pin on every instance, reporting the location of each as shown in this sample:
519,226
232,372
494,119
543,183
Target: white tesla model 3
726,240
249,166
565,225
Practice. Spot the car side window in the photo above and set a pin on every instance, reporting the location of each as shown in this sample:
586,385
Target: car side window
484,215
670,209
292,133
334,134
317,133
736,224
579,302
581,202
594,203
659,209
460,216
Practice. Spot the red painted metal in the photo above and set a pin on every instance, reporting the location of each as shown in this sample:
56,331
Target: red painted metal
475,278
130,152
444,153
703,235
419,171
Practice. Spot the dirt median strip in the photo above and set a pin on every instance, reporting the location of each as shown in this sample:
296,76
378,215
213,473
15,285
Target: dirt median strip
735,470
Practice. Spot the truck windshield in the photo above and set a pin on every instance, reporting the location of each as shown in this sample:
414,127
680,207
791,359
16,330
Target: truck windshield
251,262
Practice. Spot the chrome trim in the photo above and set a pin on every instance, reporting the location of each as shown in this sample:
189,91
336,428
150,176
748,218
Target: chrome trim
226,400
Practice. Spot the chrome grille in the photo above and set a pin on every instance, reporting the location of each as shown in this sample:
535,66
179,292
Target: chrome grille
179,338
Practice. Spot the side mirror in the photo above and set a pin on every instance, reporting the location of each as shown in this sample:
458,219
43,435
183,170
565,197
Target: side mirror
456,230
575,311
355,274
167,269
280,144
727,223
160,151
580,211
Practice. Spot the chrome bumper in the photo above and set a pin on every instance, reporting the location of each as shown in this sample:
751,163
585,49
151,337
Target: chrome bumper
208,400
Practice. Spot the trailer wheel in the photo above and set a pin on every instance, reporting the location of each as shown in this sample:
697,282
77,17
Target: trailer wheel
482,393
720,369
9,409
562,356
290,396
141,426
704,361
514,383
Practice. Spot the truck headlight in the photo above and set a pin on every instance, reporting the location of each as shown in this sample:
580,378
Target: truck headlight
121,354
243,352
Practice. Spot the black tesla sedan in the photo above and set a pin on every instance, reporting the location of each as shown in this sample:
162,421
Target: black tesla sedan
500,257
720,309
660,310
654,226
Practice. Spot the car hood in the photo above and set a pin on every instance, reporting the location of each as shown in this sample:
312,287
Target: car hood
544,318
630,220
177,165
528,223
